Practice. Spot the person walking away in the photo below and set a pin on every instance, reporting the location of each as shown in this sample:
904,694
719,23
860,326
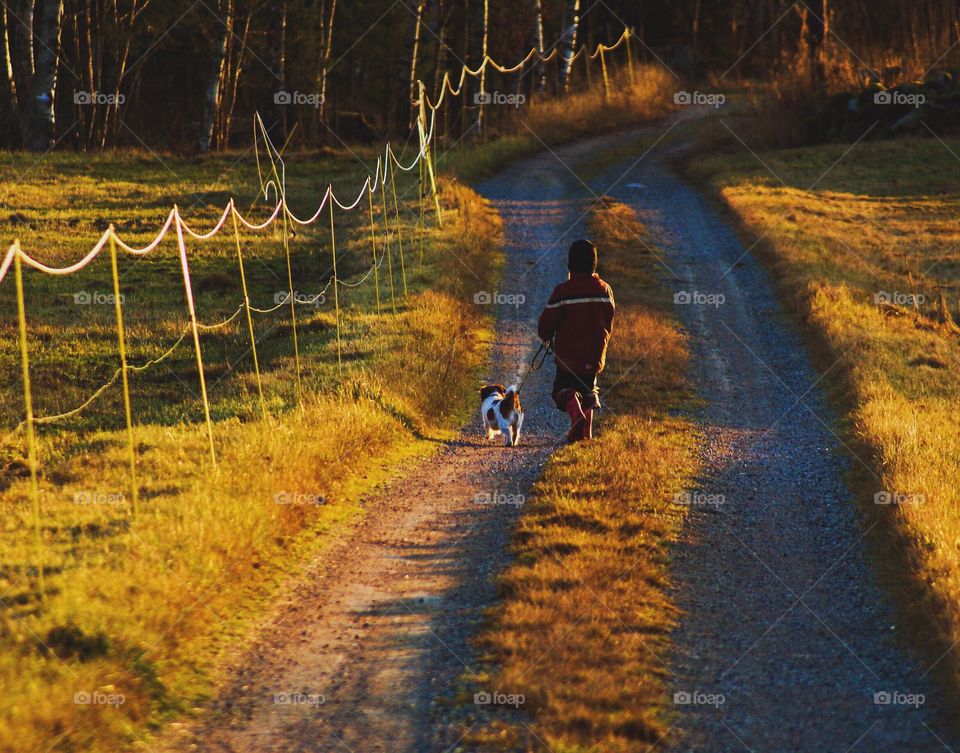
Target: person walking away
578,318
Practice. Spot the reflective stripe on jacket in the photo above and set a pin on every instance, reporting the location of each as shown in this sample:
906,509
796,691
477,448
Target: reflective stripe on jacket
579,317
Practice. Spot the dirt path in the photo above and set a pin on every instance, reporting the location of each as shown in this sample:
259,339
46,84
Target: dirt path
782,614
358,653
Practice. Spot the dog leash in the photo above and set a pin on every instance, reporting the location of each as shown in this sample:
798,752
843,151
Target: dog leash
546,348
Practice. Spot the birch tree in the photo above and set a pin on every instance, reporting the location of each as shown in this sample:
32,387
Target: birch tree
20,28
211,102
570,36
538,37
37,112
9,111
414,54
483,57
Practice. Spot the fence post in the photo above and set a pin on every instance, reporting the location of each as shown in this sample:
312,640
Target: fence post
396,207
373,247
386,240
420,227
246,305
336,295
293,305
282,193
31,430
606,79
191,309
122,345
628,34
428,153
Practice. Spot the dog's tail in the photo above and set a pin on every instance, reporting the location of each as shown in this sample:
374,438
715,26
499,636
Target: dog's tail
511,399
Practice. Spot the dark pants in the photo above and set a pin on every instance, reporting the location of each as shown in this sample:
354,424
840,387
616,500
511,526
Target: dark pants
565,384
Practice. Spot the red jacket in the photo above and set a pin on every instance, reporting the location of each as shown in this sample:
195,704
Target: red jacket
579,317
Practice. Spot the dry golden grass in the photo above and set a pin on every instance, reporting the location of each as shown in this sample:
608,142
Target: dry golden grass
870,227
584,625
144,607
649,95
552,121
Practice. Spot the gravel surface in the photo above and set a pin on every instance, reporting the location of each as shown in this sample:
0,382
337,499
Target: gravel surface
362,652
782,616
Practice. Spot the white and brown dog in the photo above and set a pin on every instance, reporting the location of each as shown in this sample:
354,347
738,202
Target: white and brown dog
501,412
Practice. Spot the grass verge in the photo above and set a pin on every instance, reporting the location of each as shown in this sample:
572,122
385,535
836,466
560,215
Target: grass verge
864,253
135,612
583,627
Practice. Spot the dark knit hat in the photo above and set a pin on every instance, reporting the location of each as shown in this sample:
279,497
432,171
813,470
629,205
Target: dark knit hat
582,257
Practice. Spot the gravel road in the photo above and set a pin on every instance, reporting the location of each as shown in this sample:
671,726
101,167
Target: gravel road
783,619
362,647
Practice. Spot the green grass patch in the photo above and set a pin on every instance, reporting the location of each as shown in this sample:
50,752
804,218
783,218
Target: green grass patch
143,608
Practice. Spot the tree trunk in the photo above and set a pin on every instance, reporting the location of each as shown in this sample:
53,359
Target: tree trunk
37,119
414,53
211,102
573,14
818,30
89,70
483,57
20,28
538,37
467,58
9,112
76,25
282,69
226,119
125,37
695,27
325,63
440,48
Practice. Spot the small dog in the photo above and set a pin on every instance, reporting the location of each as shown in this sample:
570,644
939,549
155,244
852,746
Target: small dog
501,412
